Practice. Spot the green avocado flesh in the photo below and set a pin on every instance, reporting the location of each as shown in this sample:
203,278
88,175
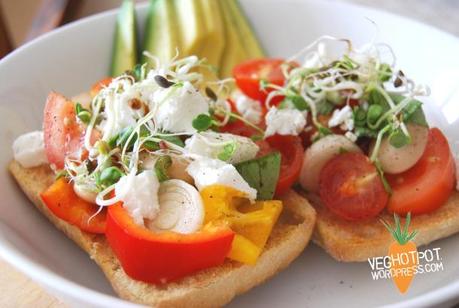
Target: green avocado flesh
124,56
216,30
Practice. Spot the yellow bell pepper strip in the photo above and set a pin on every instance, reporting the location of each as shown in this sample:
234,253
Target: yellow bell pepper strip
252,222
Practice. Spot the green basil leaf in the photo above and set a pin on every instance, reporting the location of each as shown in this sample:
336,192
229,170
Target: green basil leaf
262,174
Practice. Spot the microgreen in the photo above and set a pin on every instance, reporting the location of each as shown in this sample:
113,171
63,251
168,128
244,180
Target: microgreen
374,112
83,114
384,72
384,181
110,176
162,164
202,122
398,139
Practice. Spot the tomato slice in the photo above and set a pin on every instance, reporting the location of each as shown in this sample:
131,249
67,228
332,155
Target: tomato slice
291,160
161,257
62,133
249,74
350,187
428,184
95,89
65,204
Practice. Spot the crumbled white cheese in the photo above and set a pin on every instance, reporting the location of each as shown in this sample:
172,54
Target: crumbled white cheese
176,111
284,122
351,136
342,117
139,194
118,111
248,108
29,149
217,145
206,171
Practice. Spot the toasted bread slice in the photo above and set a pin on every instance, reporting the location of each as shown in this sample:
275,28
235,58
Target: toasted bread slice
208,288
356,241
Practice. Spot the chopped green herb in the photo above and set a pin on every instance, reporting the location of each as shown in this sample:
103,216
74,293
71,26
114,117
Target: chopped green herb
228,151
365,132
360,116
297,101
374,113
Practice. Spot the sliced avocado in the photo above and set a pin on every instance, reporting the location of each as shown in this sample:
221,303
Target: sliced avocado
124,54
162,38
262,174
192,29
212,47
247,36
234,52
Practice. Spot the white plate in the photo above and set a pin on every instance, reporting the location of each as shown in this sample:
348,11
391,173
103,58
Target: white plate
70,59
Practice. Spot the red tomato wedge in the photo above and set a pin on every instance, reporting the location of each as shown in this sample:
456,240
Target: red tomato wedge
350,187
291,160
62,133
162,257
237,127
428,184
95,89
249,74
65,204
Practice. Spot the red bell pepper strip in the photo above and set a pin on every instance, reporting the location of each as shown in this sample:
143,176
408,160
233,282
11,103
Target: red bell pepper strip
162,257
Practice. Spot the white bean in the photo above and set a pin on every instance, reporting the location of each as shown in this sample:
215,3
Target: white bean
319,154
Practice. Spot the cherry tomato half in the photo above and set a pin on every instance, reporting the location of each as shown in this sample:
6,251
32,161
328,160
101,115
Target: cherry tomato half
291,160
249,74
428,184
350,187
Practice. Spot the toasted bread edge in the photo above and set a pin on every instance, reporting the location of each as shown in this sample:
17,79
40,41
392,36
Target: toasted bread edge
208,288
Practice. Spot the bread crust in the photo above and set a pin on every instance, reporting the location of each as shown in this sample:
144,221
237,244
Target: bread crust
212,287
351,241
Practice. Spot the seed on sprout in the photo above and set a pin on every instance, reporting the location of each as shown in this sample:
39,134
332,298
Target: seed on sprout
163,82
398,82
211,94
